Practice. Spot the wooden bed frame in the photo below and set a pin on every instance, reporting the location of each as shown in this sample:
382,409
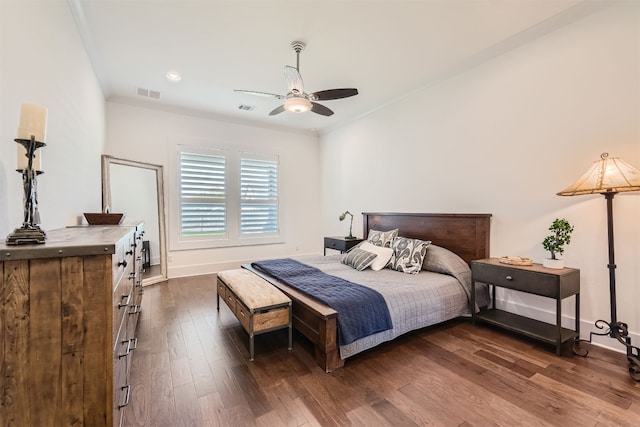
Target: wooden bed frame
464,234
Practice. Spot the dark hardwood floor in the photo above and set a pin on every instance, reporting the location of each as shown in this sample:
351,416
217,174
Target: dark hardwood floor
191,368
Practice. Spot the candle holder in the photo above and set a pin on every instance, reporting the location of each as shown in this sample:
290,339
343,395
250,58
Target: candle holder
30,232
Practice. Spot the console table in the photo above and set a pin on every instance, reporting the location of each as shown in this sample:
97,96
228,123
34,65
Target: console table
535,279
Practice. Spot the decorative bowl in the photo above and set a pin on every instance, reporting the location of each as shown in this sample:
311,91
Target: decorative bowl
104,218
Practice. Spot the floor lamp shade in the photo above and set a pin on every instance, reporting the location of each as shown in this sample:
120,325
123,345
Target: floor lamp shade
607,175
610,176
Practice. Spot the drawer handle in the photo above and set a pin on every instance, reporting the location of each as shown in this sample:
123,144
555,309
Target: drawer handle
135,309
132,275
128,300
509,278
127,396
129,253
131,345
122,263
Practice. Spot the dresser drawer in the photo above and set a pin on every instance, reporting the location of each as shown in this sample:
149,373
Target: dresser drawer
334,244
244,315
123,261
533,279
222,290
123,298
340,243
121,386
230,299
518,279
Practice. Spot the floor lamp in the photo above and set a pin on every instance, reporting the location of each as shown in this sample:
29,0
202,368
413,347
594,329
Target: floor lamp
610,176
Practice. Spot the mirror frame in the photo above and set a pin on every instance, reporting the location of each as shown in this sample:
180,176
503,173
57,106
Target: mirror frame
108,160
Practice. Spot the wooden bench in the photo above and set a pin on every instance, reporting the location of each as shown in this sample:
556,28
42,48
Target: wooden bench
259,306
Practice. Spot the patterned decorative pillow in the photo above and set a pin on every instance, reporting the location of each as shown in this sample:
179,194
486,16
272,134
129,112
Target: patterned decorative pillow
358,258
408,254
382,238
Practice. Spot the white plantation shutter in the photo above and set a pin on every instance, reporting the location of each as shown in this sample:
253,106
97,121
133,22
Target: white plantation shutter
203,195
258,195
225,197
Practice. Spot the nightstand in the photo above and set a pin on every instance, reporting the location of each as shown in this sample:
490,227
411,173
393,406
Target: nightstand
535,279
341,244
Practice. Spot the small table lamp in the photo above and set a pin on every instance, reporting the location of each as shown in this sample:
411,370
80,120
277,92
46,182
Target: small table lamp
610,176
342,217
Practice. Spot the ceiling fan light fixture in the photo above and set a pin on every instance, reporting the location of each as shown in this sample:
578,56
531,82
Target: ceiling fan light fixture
297,104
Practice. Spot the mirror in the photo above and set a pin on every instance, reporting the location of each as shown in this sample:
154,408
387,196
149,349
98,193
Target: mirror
136,189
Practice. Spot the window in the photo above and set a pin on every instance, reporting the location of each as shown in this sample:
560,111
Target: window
203,194
258,196
226,198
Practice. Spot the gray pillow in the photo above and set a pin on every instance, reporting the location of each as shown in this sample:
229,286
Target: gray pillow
358,258
441,260
408,254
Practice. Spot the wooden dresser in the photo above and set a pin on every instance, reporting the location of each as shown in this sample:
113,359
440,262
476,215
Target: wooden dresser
67,326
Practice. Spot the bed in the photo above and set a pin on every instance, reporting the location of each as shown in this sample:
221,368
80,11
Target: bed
466,235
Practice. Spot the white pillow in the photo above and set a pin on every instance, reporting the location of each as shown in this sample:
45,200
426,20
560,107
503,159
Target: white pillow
383,254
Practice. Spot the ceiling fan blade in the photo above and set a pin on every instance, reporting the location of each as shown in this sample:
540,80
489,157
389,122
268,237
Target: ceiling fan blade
326,95
294,79
253,92
321,109
278,110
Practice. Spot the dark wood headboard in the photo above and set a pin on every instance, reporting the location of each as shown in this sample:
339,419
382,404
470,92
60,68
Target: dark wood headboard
464,234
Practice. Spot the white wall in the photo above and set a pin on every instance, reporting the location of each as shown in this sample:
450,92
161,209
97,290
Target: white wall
504,138
43,61
151,136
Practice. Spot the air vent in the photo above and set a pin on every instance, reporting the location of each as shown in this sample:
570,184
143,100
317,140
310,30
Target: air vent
148,93
246,107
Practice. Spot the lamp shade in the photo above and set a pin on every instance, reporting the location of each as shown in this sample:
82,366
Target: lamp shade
297,104
607,175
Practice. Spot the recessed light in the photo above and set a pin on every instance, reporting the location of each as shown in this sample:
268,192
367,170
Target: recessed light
174,76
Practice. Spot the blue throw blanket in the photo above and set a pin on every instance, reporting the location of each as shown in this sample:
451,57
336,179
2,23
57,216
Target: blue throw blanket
362,311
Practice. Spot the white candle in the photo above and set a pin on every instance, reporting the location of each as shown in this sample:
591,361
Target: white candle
33,121
23,160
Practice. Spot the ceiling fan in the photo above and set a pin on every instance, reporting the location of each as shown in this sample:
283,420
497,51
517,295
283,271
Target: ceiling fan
297,100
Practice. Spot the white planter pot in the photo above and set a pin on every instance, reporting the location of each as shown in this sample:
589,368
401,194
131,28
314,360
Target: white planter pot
553,263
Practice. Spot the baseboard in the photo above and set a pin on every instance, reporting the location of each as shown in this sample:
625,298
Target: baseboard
210,268
586,326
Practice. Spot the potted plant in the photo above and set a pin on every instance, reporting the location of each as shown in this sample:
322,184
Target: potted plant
561,235
342,217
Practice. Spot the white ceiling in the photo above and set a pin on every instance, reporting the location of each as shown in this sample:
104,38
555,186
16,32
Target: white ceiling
385,49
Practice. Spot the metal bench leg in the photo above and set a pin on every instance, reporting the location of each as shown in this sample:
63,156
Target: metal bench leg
251,347
251,336
290,326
